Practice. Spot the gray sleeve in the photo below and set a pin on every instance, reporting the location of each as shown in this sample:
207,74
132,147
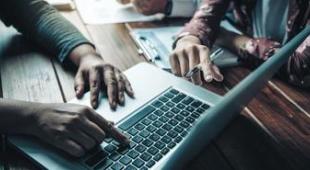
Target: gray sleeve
43,25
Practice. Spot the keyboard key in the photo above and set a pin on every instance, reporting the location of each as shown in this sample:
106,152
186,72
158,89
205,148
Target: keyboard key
140,148
178,98
158,112
138,163
151,128
180,106
143,168
147,142
187,100
164,108
172,134
154,137
152,150
171,145
164,151
161,132
190,119
173,122
125,160
115,156
205,106
123,150
159,145
175,110
196,104
170,104
133,131
167,127
195,115
108,140
110,148
132,145
152,117
163,99
145,156
163,119
178,129
200,110
157,157
179,117
139,126
157,124
137,117
146,121
130,167
189,109
183,134
157,104
101,155
150,163
184,113
169,95
133,154
104,164
178,139
174,91
144,133
166,139
169,114
184,124
117,166
137,139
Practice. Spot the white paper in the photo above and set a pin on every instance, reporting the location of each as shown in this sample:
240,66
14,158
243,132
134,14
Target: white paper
110,11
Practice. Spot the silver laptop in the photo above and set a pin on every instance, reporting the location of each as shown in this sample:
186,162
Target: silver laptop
167,117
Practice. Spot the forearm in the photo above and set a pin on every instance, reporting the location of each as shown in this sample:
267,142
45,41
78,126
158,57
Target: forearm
16,116
43,25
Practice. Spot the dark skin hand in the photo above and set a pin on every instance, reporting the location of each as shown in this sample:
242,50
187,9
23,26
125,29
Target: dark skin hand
72,128
94,72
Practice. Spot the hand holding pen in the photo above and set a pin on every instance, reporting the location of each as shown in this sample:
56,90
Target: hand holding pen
191,59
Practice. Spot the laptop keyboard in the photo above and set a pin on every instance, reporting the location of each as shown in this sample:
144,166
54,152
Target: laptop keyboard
153,131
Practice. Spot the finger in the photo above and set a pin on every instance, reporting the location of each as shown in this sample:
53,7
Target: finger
120,86
217,75
82,139
95,85
175,65
128,87
184,65
111,84
193,61
79,84
93,130
108,128
70,146
206,69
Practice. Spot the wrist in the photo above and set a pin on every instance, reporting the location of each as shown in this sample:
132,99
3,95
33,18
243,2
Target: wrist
187,40
79,52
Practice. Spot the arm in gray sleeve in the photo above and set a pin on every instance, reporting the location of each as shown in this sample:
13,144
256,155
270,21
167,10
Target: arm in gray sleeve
43,25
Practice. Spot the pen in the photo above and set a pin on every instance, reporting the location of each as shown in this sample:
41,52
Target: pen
197,68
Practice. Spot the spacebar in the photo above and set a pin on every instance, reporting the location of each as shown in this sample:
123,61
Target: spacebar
135,118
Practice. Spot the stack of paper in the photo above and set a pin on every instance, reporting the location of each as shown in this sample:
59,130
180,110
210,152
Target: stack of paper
110,11
65,5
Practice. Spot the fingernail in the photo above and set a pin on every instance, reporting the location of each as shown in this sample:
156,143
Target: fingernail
208,78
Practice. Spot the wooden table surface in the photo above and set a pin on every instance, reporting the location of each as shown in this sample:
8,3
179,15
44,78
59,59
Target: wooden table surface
272,132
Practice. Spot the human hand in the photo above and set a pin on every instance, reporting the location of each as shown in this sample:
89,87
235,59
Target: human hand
94,72
72,128
147,7
188,53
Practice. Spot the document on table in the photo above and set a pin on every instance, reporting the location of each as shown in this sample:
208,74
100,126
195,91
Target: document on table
62,4
110,11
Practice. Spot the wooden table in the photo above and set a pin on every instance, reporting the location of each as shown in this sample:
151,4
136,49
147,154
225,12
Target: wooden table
272,132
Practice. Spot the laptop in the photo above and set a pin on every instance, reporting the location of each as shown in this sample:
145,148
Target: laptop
169,122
